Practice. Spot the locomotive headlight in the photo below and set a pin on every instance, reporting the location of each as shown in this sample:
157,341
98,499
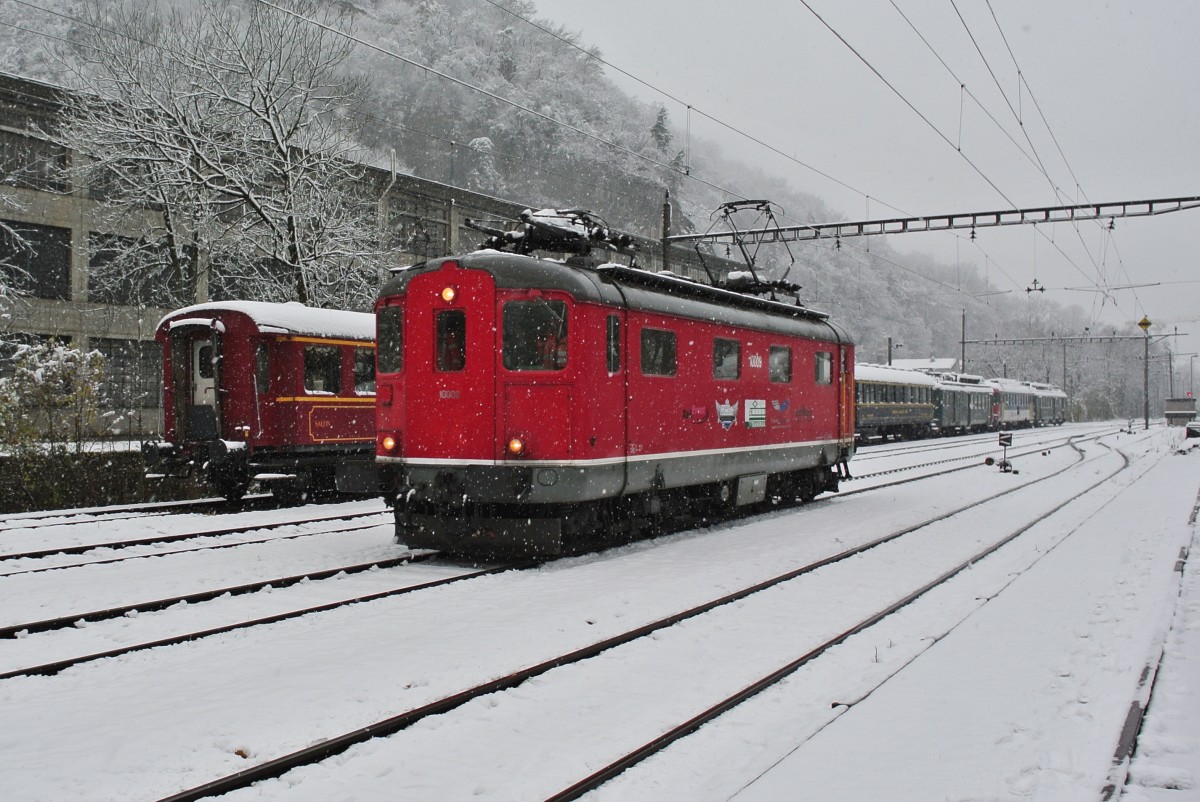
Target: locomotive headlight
448,294
388,443
516,446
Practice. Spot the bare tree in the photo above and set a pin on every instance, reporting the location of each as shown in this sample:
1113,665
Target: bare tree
217,142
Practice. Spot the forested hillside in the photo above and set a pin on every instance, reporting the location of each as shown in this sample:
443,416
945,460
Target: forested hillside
472,95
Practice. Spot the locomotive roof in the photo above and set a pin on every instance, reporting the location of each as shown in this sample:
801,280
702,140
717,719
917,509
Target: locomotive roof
294,318
638,289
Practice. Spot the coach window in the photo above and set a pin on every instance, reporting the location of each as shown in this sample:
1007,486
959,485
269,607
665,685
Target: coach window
262,368
614,343
658,352
389,339
727,358
322,369
451,340
779,363
364,371
824,368
535,335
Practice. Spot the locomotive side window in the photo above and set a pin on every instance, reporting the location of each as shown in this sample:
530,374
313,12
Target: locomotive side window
780,363
451,340
322,369
535,335
658,352
262,368
824,368
614,343
389,337
727,358
364,371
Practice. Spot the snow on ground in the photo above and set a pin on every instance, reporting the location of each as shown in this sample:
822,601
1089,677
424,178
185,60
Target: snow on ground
1013,697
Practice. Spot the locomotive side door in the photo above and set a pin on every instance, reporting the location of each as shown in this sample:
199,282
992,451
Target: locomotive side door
450,362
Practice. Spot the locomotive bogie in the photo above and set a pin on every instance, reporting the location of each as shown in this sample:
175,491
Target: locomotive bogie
280,393
583,397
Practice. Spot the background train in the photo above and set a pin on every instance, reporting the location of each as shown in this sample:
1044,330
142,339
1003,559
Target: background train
527,404
281,393
907,404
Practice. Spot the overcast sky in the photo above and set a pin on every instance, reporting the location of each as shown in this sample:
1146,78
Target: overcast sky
1114,80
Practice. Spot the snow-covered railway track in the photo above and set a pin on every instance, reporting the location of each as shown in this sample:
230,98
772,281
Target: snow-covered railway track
383,585
175,537
597,662
927,469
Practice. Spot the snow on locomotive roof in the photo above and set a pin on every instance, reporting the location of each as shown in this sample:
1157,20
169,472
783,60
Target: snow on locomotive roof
890,375
291,317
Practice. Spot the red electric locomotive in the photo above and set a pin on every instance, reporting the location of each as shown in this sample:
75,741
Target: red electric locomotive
282,393
526,404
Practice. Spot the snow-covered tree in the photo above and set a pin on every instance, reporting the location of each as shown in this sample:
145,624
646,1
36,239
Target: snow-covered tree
483,176
218,136
52,400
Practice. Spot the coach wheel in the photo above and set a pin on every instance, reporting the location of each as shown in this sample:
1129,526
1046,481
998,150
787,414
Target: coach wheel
231,486
288,491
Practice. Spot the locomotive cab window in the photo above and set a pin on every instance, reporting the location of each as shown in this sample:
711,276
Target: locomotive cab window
779,363
535,335
727,358
658,352
322,369
824,368
451,340
389,337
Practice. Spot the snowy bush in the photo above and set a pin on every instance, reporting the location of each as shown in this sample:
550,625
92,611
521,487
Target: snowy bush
51,401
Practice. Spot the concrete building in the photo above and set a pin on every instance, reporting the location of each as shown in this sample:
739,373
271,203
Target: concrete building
424,220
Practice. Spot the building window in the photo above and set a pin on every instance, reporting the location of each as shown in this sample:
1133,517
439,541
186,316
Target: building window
33,163
131,272
658,352
36,260
133,373
322,369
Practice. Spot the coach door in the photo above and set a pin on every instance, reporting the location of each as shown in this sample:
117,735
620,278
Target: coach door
203,413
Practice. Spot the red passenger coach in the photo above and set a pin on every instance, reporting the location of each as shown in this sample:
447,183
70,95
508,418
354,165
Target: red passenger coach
282,393
533,405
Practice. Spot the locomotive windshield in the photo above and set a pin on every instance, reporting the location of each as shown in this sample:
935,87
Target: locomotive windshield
535,335
389,339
